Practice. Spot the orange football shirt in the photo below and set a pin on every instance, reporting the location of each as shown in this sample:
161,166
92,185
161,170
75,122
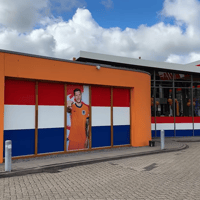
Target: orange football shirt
78,123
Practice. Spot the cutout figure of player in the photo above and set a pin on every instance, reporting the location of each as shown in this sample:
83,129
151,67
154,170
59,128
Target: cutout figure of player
79,131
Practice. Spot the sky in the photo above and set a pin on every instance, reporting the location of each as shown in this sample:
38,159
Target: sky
158,30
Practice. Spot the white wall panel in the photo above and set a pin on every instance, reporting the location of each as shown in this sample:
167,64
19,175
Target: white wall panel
50,116
18,117
196,125
121,116
165,126
101,116
184,126
153,127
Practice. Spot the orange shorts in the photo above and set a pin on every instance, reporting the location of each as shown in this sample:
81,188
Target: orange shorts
75,145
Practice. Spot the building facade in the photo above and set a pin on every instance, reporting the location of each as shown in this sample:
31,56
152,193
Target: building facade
50,106
175,92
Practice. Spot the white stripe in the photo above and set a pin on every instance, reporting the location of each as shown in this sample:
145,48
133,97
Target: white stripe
165,126
85,94
121,115
19,117
152,127
101,116
184,126
196,125
50,116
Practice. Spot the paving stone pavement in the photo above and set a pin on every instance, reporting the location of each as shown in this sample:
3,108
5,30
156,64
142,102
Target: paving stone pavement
174,175
60,159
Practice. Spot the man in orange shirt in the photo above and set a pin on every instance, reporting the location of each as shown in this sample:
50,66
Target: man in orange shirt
79,131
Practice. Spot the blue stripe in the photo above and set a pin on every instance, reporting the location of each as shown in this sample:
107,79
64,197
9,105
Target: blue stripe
101,136
196,132
50,140
121,134
168,133
180,133
23,141
153,133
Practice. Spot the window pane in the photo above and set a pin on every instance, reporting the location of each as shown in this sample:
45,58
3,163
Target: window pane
165,76
183,102
152,103
152,75
183,84
164,84
196,77
196,101
164,102
182,77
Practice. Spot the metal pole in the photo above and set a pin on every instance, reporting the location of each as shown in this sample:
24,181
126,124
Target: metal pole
162,137
8,155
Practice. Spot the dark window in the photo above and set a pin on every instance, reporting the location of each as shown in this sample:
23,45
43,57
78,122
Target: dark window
183,102
164,102
196,101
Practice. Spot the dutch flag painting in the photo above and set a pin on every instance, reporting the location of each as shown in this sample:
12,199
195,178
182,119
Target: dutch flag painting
50,117
121,116
101,116
19,116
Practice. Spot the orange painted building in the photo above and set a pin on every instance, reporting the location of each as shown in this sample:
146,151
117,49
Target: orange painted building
36,92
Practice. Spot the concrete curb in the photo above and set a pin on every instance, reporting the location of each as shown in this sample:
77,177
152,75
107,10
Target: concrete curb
55,167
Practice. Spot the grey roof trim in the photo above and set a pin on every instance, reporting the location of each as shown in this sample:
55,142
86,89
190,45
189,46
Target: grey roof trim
71,61
191,67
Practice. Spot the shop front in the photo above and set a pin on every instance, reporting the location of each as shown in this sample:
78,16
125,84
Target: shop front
50,106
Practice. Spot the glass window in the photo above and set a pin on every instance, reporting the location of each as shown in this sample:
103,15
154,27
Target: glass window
196,101
196,77
152,75
183,84
183,102
182,77
164,76
164,83
152,103
164,102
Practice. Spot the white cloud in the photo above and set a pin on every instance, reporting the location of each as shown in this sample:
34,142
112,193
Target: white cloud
107,3
184,59
64,39
21,15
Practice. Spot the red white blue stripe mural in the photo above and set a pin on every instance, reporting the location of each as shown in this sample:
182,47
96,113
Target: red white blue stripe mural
19,116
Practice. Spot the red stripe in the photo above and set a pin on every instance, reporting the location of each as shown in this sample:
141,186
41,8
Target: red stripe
100,96
121,97
196,119
198,65
164,119
50,94
183,119
152,119
18,92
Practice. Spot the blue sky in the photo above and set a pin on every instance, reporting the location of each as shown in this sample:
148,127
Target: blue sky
158,30
128,13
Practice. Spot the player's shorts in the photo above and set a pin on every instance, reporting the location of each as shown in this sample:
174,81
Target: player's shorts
75,145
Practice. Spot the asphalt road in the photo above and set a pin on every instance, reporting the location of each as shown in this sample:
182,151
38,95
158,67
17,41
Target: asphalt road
174,175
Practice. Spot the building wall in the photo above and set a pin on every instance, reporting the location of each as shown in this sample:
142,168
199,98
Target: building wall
60,72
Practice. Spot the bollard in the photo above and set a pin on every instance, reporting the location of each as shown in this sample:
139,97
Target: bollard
8,155
162,137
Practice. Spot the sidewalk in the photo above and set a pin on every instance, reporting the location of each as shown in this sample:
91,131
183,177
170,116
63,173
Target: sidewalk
57,162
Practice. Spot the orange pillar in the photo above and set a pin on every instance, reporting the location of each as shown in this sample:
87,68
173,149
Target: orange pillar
2,82
141,114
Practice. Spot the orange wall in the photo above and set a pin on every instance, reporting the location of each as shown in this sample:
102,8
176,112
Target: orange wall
1,105
43,69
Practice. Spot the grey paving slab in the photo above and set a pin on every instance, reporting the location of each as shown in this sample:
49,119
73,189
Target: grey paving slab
172,175
40,164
